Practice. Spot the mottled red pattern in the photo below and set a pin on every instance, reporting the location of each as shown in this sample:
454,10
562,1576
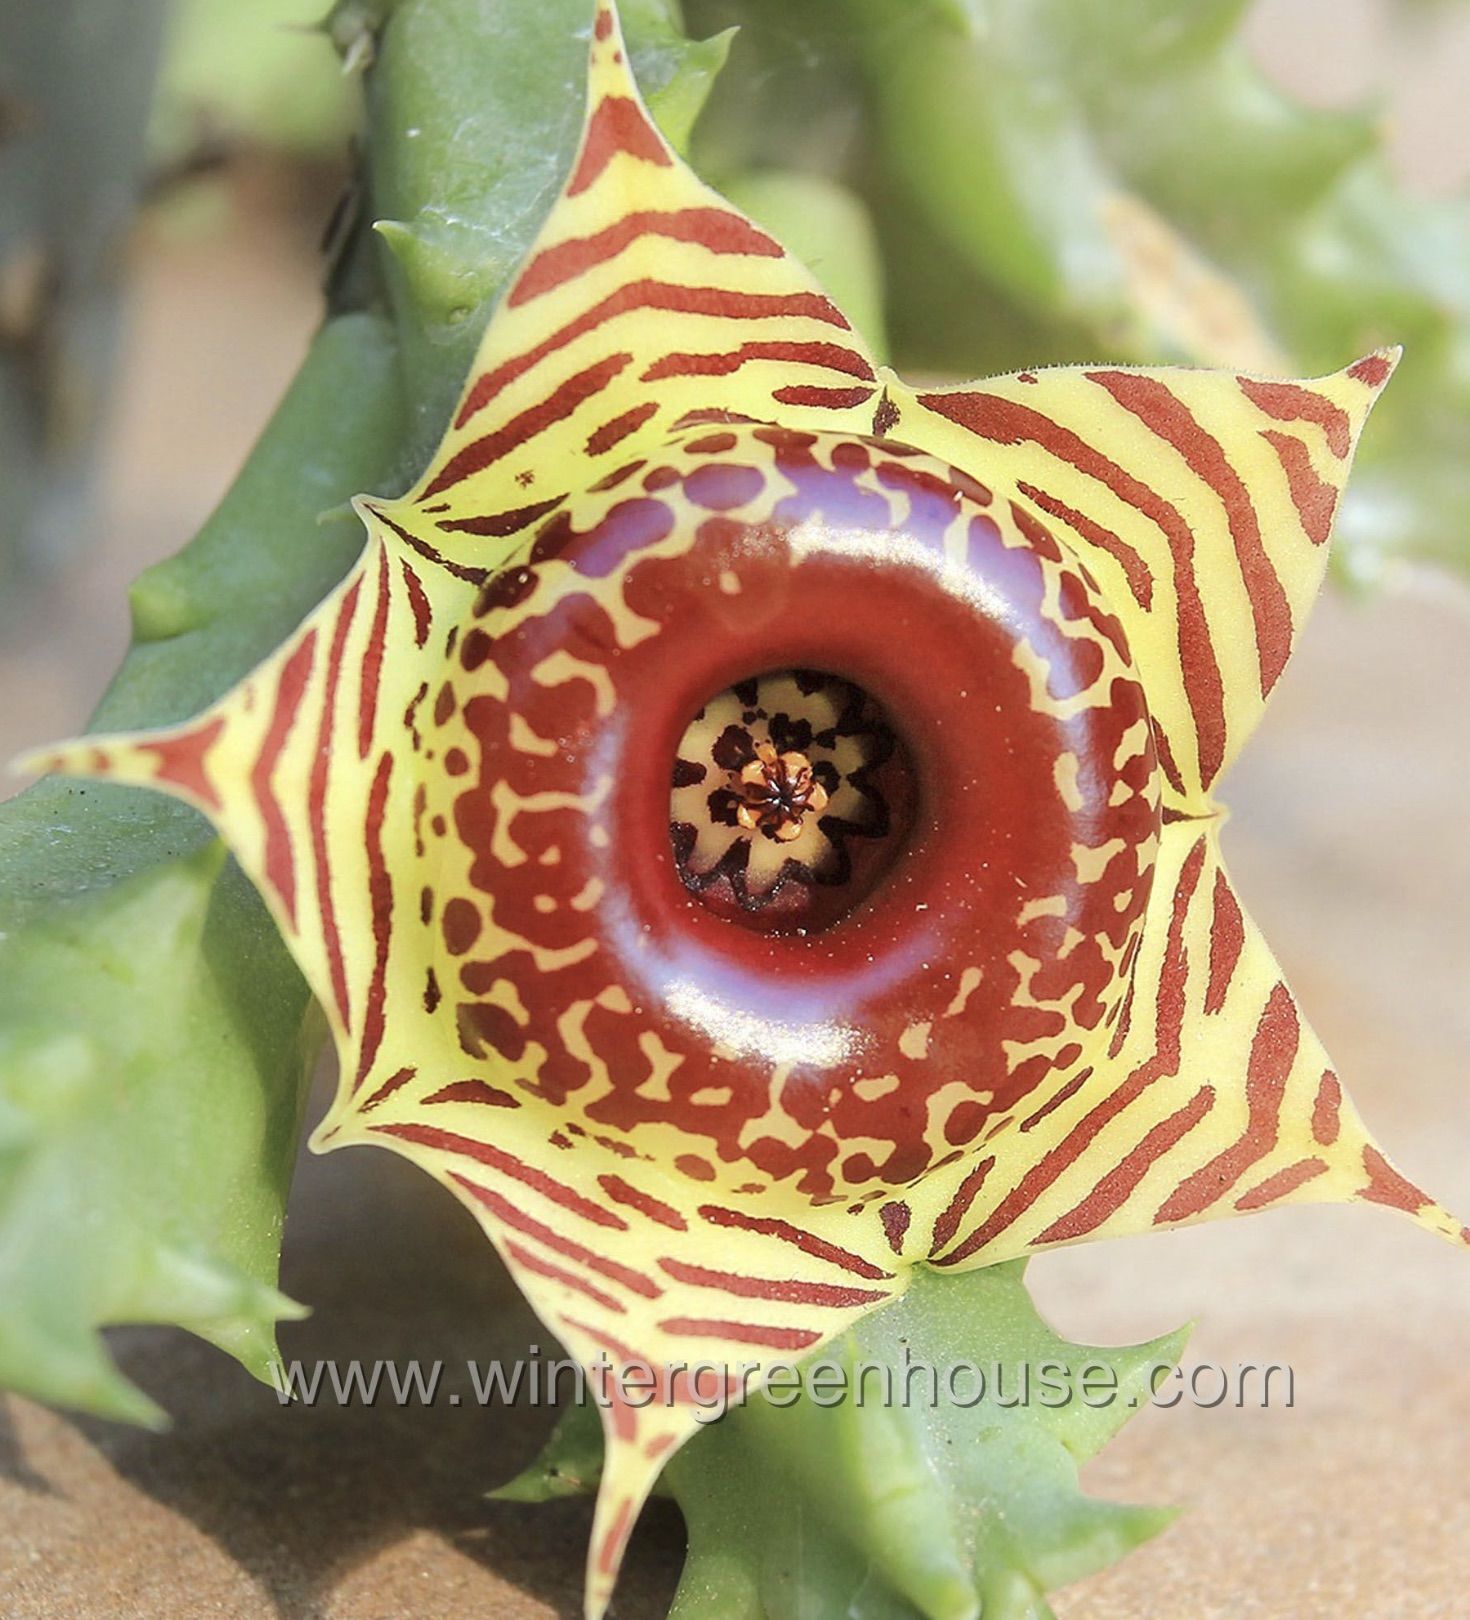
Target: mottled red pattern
992,786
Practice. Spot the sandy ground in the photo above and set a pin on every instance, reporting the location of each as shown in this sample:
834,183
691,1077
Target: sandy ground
1347,839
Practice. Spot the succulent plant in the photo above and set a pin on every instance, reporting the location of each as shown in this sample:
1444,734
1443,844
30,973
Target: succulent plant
751,823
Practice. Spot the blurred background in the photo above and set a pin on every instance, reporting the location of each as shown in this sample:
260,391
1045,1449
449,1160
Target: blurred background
159,348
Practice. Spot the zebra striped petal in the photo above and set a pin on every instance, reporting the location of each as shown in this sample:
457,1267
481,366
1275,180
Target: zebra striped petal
1214,1098
1202,502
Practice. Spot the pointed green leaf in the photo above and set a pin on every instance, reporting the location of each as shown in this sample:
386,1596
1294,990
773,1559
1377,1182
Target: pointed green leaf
945,1509
878,1505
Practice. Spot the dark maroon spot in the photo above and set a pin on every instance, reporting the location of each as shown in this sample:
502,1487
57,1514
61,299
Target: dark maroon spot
553,537
486,1030
711,444
732,750
619,475
692,1165
460,924
507,589
970,487
476,649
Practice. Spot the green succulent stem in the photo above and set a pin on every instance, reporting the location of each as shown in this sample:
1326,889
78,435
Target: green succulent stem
191,1058
922,1466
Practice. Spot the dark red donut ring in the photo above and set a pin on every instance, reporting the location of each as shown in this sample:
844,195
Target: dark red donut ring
988,955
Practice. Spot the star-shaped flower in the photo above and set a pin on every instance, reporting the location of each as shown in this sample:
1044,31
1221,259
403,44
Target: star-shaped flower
750,823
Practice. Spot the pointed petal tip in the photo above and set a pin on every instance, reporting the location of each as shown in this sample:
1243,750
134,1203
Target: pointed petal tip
630,1468
34,762
1443,1224
376,515
606,40
1374,369
54,759
342,1125
326,1136
611,1526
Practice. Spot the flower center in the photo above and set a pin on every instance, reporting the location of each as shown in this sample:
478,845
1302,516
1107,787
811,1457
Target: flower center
792,795
775,792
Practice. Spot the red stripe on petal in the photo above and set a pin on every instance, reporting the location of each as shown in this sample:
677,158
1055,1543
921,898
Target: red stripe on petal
1115,1188
418,601
1327,1110
1387,1186
1005,421
181,761
380,890
807,1242
834,399
1273,1051
1165,414
279,859
716,229
669,298
317,802
770,1338
556,407
372,662
614,432
1281,1184
791,1290
831,356
559,1274
567,1247
1314,500
617,125
431,1136
654,1208
1135,571
1227,939
1290,402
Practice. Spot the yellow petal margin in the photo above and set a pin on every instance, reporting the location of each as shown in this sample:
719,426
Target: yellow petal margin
1199,503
